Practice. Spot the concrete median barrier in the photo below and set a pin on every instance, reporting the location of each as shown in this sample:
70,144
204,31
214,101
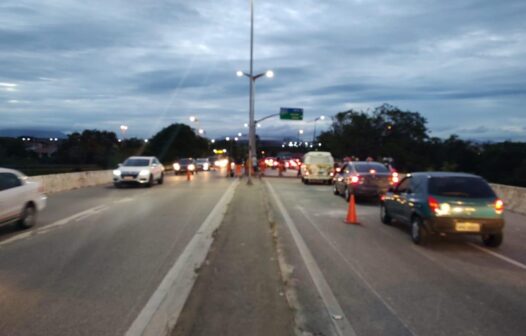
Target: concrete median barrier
514,197
61,182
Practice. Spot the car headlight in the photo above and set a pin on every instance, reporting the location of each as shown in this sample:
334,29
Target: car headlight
205,166
144,173
177,166
191,166
117,172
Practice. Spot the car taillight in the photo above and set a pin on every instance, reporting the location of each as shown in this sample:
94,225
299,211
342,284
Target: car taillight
382,197
499,206
394,178
338,169
355,179
433,204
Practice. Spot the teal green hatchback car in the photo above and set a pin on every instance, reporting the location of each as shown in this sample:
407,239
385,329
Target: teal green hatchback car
445,203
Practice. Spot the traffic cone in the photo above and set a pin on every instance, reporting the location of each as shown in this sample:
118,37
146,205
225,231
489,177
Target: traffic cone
188,176
351,212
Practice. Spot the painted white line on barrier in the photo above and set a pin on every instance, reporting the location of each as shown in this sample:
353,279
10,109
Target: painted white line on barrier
76,217
355,270
498,255
160,314
342,324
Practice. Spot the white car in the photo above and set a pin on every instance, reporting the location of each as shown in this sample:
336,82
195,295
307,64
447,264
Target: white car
317,167
20,199
143,170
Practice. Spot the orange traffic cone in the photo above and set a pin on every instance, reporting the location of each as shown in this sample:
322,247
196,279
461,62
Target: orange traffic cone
188,175
351,212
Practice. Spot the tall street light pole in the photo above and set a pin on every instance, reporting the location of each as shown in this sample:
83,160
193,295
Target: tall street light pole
252,78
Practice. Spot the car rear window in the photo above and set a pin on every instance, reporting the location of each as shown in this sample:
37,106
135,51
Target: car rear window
136,163
460,186
321,159
365,167
186,161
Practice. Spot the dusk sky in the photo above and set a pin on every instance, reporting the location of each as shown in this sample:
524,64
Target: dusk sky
72,65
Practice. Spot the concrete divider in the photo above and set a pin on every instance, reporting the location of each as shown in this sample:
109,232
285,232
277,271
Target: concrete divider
61,182
514,198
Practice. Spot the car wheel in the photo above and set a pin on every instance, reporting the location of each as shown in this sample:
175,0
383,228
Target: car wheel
492,240
335,190
347,194
150,182
418,233
384,215
28,218
161,179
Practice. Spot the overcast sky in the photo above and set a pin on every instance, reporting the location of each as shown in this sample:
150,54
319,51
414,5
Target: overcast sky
71,65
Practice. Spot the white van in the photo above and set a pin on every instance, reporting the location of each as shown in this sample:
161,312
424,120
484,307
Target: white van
317,167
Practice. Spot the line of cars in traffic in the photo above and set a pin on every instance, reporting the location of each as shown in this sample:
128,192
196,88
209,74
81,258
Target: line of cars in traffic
430,203
147,170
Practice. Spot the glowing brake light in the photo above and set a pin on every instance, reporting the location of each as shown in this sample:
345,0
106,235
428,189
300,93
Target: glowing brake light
499,206
355,179
394,178
372,171
338,169
433,204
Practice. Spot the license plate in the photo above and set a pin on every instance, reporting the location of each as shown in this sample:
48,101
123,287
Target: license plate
468,227
128,178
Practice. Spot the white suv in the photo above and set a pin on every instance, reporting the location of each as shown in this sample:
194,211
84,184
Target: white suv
144,170
20,199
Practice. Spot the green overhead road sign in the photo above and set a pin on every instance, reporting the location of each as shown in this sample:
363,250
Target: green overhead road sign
288,113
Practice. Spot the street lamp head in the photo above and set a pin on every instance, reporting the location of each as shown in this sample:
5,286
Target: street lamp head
269,74
300,131
239,73
322,117
236,139
239,134
201,131
124,128
213,140
258,125
245,125
192,118
227,138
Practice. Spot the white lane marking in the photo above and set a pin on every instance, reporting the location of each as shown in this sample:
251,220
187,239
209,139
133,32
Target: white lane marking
160,314
355,270
124,200
342,326
498,255
76,217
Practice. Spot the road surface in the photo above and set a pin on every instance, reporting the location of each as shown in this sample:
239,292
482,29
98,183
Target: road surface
373,280
100,257
97,255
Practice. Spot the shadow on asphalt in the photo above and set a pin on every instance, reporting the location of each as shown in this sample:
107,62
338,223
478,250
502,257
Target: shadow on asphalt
439,242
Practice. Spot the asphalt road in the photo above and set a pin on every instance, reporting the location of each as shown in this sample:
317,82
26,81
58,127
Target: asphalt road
372,280
97,255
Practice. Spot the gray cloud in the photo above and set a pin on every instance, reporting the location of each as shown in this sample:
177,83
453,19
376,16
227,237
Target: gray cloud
149,63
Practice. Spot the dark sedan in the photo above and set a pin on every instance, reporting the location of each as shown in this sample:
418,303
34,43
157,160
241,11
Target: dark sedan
364,179
184,165
445,203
